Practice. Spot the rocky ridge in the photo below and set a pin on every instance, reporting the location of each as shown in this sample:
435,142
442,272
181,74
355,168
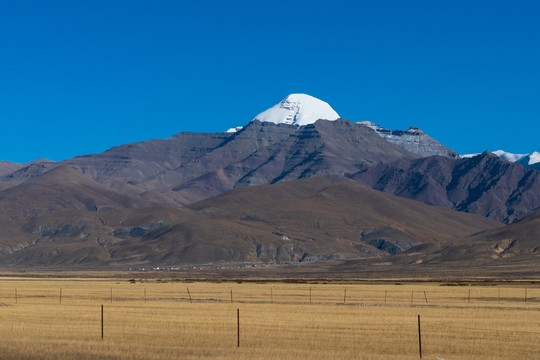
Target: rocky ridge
413,140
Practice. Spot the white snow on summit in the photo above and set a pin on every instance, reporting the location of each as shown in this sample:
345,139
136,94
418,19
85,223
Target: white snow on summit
298,109
534,158
531,160
502,154
509,156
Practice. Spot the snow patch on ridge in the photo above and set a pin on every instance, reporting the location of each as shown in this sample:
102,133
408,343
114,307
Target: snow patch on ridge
298,109
234,129
413,140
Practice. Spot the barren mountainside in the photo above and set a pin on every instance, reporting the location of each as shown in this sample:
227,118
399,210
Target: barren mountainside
193,166
484,184
305,220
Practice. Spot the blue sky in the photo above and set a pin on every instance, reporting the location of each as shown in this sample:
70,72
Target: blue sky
78,77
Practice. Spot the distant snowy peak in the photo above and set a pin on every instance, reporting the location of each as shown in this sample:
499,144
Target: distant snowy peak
298,109
500,153
530,161
533,158
519,158
413,140
509,156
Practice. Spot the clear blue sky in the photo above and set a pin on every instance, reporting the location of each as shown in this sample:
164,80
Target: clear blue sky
78,77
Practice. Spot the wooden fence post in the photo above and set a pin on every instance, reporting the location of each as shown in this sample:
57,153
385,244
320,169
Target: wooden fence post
60,296
419,338
238,327
189,294
101,322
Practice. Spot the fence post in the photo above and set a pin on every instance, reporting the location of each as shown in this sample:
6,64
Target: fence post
189,294
101,322
385,293
344,296
419,338
310,295
60,296
238,327
412,296
525,294
425,295
271,296
16,296
231,296
111,295
469,298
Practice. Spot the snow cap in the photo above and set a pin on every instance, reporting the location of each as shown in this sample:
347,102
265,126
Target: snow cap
298,109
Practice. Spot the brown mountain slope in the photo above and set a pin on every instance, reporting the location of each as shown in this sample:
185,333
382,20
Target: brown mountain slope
515,243
59,203
63,188
342,212
304,220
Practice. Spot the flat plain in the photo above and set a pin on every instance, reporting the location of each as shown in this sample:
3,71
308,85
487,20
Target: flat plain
61,318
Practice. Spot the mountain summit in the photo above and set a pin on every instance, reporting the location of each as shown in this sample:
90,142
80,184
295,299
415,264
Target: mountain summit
298,109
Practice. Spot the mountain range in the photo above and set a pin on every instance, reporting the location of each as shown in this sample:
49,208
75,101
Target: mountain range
297,184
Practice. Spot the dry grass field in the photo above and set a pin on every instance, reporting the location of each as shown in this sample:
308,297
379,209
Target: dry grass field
152,319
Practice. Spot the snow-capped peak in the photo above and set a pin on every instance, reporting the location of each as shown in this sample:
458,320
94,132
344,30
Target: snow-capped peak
298,109
527,160
532,158
509,156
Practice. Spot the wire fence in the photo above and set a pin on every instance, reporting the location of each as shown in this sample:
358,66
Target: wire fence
347,295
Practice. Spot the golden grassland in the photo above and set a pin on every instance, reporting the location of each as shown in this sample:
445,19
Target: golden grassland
152,319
